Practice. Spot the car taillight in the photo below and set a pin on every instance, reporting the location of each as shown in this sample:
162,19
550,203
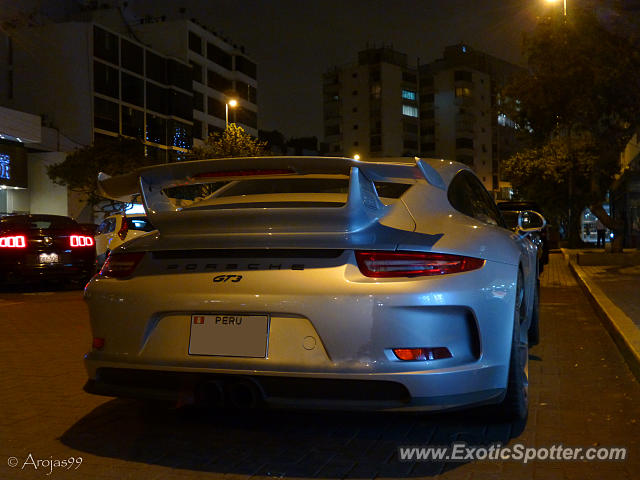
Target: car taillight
16,241
413,264
121,265
124,228
81,241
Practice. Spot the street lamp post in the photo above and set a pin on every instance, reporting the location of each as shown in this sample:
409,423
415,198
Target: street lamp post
233,103
564,10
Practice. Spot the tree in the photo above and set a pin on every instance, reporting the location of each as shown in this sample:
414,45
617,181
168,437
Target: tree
581,86
232,142
79,171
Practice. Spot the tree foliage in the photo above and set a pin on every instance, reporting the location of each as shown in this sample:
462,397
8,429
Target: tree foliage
79,171
232,142
581,87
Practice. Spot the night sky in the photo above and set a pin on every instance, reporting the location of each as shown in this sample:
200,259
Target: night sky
295,41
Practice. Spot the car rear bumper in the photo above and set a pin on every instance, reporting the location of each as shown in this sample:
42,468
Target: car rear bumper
414,391
20,272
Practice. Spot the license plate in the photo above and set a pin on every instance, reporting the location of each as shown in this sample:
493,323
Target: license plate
229,335
48,258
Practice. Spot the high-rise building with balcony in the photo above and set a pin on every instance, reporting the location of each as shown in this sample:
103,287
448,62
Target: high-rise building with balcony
371,107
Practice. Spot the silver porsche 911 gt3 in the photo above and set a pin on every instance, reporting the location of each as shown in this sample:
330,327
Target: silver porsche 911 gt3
315,282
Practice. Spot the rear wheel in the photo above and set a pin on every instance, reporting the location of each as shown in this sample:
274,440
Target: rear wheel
515,405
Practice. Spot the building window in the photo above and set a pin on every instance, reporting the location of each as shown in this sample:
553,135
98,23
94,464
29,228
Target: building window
180,105
198,101
463,92
466,159
218,56
179,134
410,127
410,111
216,108
462,76
413,144
196,72
354,109
409,77
156,129
179,75
355,92
356,143
464,143
218,82
408,94
156,67
195,43
132,89
197,129
132,56
105,45
429,148
376,91
355,127
157,98
105,80
105,115
132,122
246,66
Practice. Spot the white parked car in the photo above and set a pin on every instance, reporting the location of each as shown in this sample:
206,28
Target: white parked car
117,229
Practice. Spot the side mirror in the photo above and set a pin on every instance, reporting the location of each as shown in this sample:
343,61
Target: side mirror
530,221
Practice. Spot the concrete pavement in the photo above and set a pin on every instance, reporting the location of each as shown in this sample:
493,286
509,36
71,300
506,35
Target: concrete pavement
614,291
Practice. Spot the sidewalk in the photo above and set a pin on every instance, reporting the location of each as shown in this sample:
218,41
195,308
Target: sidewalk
615,293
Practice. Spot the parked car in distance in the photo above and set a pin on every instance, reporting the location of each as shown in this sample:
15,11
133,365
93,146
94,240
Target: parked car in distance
510,211
316,282
117,229
44,247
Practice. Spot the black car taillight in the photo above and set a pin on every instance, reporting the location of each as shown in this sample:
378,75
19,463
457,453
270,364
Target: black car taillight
81,241
13,241
413,264
121,265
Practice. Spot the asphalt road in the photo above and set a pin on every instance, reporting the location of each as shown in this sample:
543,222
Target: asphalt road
582,395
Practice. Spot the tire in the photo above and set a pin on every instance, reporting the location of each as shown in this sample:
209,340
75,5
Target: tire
515,405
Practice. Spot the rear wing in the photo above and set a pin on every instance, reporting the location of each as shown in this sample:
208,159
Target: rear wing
363,206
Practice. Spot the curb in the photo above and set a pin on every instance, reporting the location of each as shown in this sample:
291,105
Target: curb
621,328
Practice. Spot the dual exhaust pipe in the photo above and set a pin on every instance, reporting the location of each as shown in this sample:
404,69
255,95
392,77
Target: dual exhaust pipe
241,394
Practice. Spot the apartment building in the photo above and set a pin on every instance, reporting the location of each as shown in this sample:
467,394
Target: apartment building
371,106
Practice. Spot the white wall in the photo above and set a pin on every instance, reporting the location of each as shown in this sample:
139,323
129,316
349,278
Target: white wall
44,195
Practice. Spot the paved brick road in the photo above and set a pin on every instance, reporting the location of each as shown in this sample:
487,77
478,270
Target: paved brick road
582,395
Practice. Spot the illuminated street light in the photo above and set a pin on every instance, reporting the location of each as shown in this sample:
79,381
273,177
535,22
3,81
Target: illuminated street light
356,157
233,103
564,11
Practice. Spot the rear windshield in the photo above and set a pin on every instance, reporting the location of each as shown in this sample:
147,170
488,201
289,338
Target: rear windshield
289,185
141,224
38,222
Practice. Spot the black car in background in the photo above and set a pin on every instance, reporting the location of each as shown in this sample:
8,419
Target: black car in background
510,211
44,247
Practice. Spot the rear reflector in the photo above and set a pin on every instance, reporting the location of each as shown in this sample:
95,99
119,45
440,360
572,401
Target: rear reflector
17,241
409,264
81,241
98,343
121,265
415,354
